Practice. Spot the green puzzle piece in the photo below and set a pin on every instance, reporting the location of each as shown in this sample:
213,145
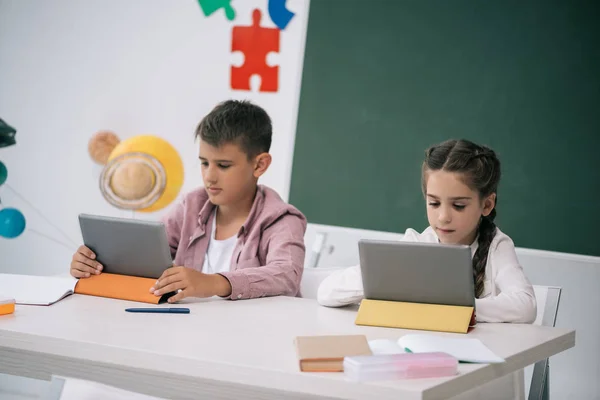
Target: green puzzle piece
210,6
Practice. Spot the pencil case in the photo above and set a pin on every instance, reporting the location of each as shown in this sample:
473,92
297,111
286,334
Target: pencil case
400,366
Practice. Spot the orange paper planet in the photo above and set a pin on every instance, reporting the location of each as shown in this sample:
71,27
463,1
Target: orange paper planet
101,145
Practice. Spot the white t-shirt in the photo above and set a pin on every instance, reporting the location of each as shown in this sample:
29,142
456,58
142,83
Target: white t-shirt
219,252
507,295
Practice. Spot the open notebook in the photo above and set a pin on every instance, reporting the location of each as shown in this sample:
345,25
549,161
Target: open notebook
463,349
36,290
47,290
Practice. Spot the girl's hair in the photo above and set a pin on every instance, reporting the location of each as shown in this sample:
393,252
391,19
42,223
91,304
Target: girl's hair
480,169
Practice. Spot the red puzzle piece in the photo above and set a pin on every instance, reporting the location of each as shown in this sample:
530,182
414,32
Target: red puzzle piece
255,42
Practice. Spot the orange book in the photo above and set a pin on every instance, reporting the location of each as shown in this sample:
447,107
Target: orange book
122,287
326,353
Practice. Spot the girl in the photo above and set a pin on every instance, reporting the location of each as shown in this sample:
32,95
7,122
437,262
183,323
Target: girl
460,183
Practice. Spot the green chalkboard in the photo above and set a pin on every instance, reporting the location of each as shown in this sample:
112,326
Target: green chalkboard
383,80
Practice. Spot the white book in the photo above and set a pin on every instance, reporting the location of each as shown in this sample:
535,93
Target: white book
463,349
36,290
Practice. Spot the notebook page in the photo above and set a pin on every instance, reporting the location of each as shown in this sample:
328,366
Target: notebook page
463,349
36,290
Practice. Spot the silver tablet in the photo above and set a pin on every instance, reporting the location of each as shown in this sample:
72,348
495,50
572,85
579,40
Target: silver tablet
429,273
127,246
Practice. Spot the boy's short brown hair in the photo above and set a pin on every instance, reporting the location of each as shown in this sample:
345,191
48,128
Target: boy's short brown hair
241,122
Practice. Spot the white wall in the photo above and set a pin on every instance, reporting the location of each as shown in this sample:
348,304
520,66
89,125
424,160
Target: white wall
69,68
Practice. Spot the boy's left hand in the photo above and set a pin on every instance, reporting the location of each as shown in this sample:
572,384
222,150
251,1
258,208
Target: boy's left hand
192,283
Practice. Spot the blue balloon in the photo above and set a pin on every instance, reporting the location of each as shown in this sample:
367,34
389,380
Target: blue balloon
12,223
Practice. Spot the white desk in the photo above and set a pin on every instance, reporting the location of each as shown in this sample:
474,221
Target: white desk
231,349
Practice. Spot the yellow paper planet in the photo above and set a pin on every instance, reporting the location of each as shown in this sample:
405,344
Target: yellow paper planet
143,173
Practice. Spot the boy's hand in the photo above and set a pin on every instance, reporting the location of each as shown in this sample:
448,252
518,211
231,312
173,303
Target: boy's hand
192,283
84,263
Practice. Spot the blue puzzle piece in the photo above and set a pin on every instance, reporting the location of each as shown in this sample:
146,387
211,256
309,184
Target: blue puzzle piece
280,15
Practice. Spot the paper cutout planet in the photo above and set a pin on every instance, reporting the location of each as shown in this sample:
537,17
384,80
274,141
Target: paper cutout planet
101,145
143,173
7,134
12,223
3,173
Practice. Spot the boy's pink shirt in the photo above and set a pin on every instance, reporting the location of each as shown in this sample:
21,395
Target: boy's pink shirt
268,258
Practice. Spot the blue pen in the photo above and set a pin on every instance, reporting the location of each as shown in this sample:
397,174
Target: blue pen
173,310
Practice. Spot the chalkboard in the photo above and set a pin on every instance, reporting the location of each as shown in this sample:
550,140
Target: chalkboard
383,80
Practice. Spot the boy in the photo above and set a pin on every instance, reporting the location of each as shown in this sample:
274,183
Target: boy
231,238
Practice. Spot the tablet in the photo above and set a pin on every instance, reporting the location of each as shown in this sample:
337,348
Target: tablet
127,246
414,272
